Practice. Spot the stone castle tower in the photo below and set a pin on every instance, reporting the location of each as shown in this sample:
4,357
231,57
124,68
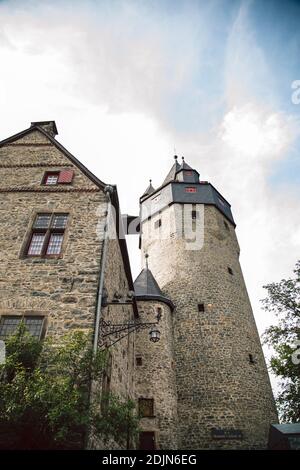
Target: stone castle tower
205,383
208,375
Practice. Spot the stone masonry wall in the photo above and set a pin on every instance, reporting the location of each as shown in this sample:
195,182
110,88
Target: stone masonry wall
62,289
218,388
155,377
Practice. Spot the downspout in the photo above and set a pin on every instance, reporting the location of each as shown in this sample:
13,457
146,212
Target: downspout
108,192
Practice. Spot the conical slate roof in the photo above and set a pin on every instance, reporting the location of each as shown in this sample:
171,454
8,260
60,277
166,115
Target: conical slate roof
172,173
146,288
185,166
149,190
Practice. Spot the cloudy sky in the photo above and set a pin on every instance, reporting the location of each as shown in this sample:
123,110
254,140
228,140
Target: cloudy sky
129,81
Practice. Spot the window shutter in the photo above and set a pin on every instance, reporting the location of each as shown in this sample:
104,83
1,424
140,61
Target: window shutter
66,176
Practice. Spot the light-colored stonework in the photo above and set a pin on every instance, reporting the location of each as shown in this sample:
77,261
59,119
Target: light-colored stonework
199,373
218,388
155,377
63,289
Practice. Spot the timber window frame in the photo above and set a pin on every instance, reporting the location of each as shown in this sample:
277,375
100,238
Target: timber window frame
50,178
36,325
54,178
46,236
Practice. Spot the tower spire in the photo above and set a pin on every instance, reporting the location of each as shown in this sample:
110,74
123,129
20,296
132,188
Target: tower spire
149,190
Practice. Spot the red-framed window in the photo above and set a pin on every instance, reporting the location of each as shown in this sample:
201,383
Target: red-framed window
190,189
58,177
188,173
47,234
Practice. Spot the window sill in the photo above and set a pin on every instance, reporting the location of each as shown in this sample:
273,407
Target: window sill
43,257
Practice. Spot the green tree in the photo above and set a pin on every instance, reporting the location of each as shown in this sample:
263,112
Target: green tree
45,391
284,300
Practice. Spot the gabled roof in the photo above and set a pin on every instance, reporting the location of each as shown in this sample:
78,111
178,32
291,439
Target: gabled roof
146,288
49,125
37,127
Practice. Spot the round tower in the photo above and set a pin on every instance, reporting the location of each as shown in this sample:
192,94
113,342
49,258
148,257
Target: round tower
224,394
155,379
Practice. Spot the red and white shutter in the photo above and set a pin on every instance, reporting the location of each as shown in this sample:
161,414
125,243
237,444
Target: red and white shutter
66,176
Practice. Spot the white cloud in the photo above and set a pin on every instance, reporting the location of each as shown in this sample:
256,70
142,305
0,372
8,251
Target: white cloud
112,77
252,131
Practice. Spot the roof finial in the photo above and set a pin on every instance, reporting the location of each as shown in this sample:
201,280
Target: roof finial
146,257
182,159
150,181
175,157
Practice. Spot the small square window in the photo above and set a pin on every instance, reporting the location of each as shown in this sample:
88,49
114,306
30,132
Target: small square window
34,325
8,326
42,221
251,359
51,178
139,361
194,215
146,407
230,271
201,308
58,177
190,190
60,220
157,223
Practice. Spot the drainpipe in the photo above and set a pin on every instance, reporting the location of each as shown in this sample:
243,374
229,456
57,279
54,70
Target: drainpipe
108,191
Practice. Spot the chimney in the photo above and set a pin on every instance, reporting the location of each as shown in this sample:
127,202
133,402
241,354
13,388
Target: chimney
48,126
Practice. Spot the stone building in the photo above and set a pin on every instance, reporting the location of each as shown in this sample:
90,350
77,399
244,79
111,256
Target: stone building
55,262
64,264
